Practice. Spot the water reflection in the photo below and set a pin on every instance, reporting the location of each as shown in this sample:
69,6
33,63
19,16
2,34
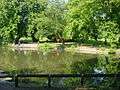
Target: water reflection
102,64
64,62
98,80
84,66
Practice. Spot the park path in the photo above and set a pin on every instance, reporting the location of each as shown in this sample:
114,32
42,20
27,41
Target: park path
8,86
79,49
26,47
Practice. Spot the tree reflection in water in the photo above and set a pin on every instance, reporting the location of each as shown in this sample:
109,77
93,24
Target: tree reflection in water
103,65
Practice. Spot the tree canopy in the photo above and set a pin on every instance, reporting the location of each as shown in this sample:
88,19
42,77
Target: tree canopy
60,20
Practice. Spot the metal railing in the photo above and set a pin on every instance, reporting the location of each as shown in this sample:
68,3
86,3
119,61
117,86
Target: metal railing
50,76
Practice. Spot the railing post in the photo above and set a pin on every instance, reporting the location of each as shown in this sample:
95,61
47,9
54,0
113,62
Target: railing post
82,79
16,80
49,80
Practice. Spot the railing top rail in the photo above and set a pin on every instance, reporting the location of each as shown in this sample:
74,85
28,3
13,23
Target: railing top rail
60,75
4,76
68,75
51,75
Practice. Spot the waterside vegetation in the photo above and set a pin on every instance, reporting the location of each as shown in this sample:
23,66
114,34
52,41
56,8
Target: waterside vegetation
94,22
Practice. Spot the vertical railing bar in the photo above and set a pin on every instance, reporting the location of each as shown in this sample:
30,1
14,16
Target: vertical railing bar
16,80
49,80
49,76
82,79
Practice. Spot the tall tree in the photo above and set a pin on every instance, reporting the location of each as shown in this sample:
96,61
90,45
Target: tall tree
37,11
9,19
86,17
51,22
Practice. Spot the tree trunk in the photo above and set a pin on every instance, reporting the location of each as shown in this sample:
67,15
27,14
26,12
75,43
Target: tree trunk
105,41
17,40
33,35
34,39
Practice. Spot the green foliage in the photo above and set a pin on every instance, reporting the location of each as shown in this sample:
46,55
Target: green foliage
109,31
112,51
77,20
9,19
49,22
94,19
25,40
46,47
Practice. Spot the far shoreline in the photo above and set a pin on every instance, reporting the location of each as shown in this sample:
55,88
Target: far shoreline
69,47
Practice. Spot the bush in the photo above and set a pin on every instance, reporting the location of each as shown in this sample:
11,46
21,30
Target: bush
46,47
25,40
112,51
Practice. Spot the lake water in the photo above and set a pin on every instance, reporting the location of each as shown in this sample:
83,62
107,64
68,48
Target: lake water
13,62
47,62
